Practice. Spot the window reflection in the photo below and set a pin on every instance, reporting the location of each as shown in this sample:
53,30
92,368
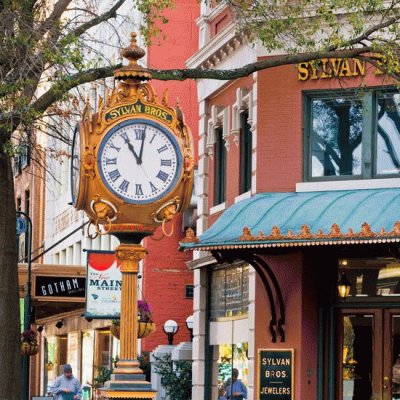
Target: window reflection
228,358
372,277
336,137
388,138
230,291
357,357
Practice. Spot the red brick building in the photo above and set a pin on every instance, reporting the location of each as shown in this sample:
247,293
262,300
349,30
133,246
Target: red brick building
167,282
298,188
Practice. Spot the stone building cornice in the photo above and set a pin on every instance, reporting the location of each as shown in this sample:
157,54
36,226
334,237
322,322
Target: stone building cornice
217,49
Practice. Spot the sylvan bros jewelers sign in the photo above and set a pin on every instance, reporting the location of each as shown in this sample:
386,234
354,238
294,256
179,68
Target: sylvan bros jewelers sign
103,285
59,287
275,379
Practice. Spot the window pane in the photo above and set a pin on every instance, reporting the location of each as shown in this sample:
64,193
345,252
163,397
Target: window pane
372,276
336,137
245,153
395,355
219,168
229,292
357,338
228,358
388,134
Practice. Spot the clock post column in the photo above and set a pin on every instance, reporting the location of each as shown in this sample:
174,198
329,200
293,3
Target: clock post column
128,380
130,256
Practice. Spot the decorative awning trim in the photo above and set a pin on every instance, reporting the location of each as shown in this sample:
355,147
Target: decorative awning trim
290,244
368,216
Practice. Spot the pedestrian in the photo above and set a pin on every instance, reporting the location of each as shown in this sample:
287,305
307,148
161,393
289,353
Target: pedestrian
66,386
238,390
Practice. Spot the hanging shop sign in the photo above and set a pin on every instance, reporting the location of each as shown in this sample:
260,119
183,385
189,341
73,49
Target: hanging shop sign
103,285
275,377
59,288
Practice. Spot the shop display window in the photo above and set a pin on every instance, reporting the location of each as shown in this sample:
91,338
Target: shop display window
229,291
55,356
225,359
352,134
103,348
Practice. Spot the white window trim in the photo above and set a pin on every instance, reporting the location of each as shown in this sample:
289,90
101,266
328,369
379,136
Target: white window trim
243,196
219,118
348,185
218,208
244,101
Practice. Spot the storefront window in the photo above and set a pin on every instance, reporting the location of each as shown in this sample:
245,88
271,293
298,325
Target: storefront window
371,277
228,360
230,291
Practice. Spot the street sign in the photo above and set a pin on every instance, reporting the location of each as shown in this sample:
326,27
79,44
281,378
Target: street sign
21,225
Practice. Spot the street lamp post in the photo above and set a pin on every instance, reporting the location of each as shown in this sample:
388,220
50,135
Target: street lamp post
189,326
171,328
27,305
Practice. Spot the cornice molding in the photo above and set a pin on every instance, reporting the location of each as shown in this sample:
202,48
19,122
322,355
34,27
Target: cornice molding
217,49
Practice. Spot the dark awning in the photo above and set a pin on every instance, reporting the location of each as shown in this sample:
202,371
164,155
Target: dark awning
305,219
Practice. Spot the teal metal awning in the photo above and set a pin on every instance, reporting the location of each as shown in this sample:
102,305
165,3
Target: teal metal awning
305,219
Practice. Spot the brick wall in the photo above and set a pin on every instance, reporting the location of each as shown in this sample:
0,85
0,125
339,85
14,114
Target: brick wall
165,271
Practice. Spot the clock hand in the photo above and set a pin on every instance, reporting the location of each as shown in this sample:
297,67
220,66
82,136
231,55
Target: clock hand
130,147
141,147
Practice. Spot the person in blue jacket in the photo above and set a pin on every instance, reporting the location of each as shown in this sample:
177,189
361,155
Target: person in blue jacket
236,391
67,386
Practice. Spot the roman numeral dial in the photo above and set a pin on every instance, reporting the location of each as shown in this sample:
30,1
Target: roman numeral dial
139,161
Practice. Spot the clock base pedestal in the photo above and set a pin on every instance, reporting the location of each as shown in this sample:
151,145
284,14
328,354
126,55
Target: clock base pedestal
128,382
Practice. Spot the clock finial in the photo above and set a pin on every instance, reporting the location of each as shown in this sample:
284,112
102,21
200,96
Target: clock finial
133,70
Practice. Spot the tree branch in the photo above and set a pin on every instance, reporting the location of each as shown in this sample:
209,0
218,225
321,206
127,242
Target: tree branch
275,61
369,32
111,13
60,88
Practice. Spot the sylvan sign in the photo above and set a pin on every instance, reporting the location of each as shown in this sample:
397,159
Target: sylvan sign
328,68
275,379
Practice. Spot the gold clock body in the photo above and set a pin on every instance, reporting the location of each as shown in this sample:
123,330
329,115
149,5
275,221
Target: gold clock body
131,101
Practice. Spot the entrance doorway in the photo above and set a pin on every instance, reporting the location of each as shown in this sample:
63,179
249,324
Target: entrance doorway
369,354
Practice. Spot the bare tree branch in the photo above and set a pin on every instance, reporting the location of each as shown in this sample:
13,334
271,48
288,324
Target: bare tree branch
111,13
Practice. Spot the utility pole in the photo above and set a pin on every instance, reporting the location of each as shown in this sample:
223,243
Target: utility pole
27,305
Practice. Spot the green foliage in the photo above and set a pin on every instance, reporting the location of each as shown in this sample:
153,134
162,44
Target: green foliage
104,374
145,365
176,377
154,18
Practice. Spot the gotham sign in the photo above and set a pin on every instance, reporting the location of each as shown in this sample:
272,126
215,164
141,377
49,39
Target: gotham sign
59,286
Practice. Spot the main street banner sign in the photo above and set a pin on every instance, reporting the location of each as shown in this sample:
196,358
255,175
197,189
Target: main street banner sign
103,285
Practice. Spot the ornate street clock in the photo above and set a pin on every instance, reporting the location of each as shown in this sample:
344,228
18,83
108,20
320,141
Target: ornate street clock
131,171
132,161
139,161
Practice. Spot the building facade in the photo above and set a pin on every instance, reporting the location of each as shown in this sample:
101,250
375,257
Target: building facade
66,336
298,191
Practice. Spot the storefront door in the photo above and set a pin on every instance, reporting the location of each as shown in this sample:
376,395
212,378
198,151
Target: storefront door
369,354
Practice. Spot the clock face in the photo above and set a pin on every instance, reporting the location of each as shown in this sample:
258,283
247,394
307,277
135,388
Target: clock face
75,165
139,161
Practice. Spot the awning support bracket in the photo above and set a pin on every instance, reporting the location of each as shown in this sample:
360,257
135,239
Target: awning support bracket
270,284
